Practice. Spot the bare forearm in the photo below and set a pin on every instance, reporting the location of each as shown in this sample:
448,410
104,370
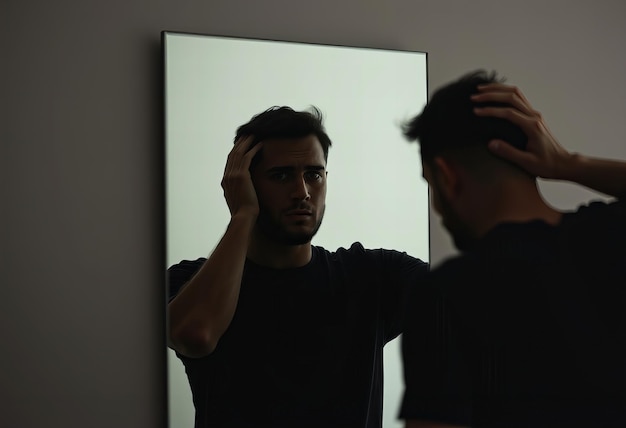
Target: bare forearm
602,175
204,308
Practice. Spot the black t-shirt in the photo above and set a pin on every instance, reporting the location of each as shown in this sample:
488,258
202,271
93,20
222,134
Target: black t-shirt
304,348
527,329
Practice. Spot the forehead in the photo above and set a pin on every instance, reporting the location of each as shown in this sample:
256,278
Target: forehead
292,151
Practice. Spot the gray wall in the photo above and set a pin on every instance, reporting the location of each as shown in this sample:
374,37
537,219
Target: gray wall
81,209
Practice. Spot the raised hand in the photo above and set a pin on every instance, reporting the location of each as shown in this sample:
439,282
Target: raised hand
237,183
544,156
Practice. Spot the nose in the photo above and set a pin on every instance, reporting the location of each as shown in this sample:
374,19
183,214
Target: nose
301,190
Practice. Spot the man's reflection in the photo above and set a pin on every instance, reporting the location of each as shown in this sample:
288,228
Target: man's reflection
272,330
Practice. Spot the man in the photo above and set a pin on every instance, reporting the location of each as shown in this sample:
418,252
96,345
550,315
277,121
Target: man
527,326
274,331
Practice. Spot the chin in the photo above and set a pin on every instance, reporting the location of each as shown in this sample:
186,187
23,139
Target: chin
301,237
289,236
298,240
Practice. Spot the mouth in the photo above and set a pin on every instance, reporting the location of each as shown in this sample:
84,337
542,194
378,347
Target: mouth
299,213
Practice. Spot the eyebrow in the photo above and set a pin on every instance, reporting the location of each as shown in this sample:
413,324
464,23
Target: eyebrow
291,168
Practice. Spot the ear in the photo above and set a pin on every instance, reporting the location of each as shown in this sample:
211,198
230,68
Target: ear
448,177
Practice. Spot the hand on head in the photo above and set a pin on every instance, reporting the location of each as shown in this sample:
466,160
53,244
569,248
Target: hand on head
543,154
237,182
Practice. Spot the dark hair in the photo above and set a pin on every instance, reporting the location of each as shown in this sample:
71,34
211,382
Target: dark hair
285,122
448,120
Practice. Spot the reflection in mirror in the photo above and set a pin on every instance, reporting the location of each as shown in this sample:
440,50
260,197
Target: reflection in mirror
375,193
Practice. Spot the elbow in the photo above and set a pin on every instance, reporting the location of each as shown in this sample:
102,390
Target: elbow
193,342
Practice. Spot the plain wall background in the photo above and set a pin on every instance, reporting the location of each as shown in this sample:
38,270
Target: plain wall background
81,172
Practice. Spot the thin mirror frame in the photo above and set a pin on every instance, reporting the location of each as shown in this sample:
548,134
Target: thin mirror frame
376,195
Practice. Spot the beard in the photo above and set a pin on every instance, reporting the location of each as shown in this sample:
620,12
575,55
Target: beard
463,241
278,233
461,236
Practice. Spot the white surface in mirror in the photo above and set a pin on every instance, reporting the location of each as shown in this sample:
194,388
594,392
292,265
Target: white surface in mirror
375,191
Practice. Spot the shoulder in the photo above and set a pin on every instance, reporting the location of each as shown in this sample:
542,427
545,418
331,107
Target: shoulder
596,221
187,265
599,209
484,269
595,234
357,250
455,267
179,273
354,250
605,204
357,253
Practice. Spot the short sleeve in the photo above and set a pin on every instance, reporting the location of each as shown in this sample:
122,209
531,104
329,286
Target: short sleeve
179,274
401,273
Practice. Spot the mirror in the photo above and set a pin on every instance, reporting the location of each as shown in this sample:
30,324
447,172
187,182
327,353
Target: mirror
213,84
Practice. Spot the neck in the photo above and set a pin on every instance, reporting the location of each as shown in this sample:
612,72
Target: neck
267,253
516,204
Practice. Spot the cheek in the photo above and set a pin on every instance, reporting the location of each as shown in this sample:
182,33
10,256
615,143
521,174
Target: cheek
267,195
321,194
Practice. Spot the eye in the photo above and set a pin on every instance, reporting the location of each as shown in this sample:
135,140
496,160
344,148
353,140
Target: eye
279,175
313,175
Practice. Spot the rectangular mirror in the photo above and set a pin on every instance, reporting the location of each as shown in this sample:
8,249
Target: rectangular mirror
376,194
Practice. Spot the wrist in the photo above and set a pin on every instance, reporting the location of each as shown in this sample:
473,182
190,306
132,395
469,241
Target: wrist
244,217
569,168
